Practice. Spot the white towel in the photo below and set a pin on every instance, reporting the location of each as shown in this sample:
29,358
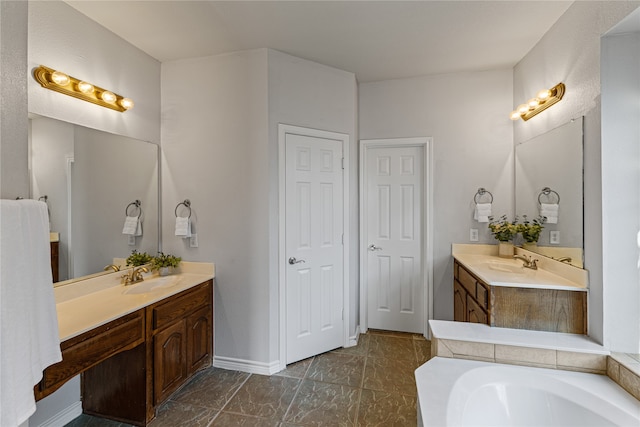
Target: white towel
482,212
138,228
550,211
183,227
29,338
131,225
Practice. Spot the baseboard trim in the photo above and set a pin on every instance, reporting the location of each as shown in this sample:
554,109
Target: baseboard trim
249,366
353,340
64,417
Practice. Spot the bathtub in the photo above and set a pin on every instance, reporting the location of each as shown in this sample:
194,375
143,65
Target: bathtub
455,392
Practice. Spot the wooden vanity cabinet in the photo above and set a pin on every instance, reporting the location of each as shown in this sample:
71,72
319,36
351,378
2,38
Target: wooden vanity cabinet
539,309
133,364
55,261
470,297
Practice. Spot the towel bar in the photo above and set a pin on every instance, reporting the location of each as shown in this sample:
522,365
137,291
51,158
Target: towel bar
186,204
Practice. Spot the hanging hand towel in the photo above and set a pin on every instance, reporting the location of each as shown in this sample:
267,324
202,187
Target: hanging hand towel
550,211
183,227
29,337
130,225
138,228
482,212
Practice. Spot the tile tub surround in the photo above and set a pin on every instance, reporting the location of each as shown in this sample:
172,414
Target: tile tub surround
568,352
370,384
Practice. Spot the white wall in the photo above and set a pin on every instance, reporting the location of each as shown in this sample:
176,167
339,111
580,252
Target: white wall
14,174
219,139
308,94
570,52
215,146
621,189
62,38
467,116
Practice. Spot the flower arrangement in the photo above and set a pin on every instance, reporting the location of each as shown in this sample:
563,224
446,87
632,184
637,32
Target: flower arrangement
137,258
502,229
164,260
531,230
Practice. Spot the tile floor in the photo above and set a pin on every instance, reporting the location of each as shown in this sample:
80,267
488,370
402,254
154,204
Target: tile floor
371,384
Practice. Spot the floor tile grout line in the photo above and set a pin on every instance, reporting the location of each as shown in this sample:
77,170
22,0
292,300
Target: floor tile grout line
229,400
300,381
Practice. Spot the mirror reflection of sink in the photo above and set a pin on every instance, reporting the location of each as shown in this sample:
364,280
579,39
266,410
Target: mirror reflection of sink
505,267
151,285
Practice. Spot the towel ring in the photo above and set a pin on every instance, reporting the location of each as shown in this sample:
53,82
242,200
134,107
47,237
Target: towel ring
43,198
186,204
546,191
136,205
482,192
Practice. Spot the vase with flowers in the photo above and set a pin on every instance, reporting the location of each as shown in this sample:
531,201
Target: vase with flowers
530,231
504,231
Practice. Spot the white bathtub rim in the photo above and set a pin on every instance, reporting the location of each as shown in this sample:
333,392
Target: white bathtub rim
440,375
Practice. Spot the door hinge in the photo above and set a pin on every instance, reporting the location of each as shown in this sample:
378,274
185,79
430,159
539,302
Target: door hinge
343,163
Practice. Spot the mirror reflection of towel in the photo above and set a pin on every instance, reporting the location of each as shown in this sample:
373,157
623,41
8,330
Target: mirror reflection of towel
183,227
549,211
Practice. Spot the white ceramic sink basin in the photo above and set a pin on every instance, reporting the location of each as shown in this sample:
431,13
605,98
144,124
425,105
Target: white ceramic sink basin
151,285
505,267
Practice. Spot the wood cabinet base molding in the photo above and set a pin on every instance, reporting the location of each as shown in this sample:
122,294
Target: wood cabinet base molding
131,365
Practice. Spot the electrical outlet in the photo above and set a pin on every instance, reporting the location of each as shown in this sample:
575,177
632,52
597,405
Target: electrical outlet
193,241
473,235
554,237
132,240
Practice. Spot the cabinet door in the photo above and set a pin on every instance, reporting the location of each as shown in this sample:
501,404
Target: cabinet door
170,360
475,313
459,302
199,339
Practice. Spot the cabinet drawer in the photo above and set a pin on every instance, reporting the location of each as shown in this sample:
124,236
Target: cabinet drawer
89,349
482,295
166,313
467,280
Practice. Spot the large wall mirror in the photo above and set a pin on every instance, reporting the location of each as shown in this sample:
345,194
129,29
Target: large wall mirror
89,178
549,170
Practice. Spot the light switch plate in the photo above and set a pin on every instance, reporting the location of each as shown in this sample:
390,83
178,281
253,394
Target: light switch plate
473,235
193,241
554,237
132,240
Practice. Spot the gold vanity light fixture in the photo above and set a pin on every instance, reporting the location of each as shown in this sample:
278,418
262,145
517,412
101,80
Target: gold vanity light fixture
543,100
64,83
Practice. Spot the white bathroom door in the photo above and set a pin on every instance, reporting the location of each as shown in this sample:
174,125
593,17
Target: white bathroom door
314,245
394,206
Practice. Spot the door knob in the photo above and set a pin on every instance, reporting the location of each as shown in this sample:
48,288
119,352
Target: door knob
373,247
293,260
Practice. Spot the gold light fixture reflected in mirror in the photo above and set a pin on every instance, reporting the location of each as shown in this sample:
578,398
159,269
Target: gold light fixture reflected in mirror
543,100
68,85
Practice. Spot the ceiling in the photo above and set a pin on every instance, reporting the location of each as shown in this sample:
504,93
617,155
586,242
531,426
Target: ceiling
376,40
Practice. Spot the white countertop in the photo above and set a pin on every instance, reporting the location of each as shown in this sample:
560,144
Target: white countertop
497,271
85,305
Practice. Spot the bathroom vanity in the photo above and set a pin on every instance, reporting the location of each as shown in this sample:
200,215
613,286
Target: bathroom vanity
159,333
501,292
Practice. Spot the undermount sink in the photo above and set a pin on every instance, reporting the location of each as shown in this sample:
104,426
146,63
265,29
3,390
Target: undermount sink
151,285
505,267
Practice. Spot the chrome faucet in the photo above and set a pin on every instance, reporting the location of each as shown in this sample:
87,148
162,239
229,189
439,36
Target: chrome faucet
527,261
134,276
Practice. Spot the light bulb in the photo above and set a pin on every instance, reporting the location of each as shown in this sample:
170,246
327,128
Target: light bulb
522,108
107,96
126,103
60,78
543,95
85,87
533,103
515,115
